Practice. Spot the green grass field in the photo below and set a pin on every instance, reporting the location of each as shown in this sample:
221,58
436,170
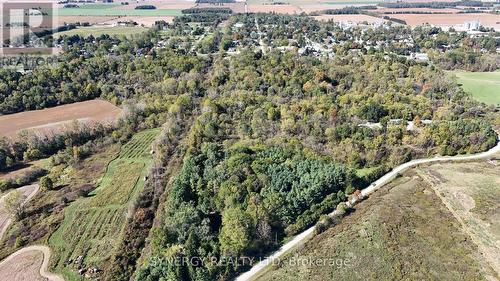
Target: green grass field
98,31
484,86
92,226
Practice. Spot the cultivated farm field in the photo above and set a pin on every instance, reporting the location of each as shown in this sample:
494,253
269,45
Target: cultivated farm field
405,232
105,15
92,225
483,86
306,6
55,118
116,10
487,20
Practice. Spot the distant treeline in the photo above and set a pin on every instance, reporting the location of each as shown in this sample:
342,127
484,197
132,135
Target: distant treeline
416,12
348,10
202,17
471,12
145,7
214,1
48,32
395,20
207,11
436,5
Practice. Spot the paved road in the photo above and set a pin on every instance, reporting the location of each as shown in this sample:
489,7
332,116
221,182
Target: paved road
46,257
302,237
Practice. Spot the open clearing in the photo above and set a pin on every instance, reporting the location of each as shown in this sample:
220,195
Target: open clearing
404,231
53,119
109,30
484,86
93,225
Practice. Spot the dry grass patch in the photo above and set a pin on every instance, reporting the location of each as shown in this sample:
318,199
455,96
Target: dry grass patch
471,191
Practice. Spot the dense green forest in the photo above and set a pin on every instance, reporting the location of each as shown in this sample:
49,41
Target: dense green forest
267,142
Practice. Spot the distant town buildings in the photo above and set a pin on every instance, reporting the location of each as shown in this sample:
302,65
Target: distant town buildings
470,25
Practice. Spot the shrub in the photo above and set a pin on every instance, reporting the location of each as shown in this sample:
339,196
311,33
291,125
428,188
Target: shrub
46,183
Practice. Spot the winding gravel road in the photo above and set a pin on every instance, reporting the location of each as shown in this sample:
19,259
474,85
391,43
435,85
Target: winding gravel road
28,192
43,268
302,237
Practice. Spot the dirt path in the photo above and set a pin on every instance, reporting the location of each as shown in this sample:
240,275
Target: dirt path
25,256
302,237
27,192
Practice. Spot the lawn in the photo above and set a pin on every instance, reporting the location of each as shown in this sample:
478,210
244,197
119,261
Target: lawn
484,86
98,31
93,225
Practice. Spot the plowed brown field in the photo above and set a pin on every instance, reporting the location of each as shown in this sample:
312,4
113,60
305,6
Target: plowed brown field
53,119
